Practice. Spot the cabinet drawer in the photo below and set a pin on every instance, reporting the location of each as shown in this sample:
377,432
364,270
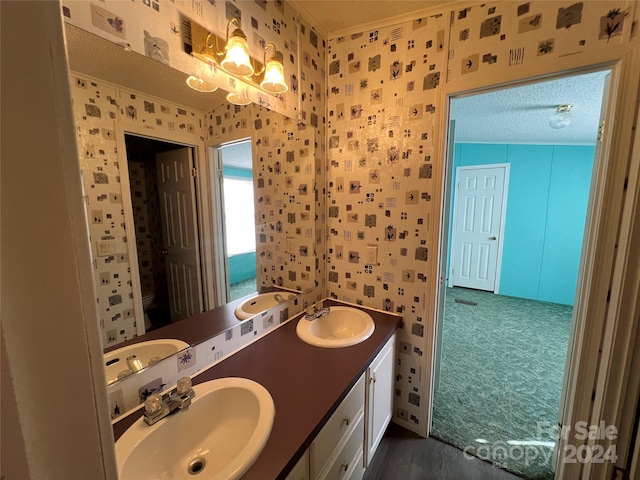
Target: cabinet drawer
342,465
356,471
338,425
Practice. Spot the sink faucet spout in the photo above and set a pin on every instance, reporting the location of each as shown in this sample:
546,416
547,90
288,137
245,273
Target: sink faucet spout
313,313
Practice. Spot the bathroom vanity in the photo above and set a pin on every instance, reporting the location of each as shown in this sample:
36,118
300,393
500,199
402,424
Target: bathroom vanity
332,404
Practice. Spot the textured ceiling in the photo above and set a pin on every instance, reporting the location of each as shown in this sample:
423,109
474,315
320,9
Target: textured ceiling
521,114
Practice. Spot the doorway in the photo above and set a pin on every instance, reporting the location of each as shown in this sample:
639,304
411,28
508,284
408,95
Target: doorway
502,342
234,164
165,214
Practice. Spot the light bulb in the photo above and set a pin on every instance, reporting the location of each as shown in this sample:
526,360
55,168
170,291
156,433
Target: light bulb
237,60
273,81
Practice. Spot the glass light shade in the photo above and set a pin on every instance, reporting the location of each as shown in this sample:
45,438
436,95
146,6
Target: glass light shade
237,99
200,85
561,118
273,81
237,61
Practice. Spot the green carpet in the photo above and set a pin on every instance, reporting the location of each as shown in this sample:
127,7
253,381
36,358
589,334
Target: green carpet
502,371
241,289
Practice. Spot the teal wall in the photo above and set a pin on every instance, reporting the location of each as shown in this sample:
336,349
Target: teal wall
546,211
242,267
236,172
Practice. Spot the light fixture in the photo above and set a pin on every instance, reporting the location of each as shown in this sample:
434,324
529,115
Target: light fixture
237,99
233,57
200,85
236,60
562,117
273,75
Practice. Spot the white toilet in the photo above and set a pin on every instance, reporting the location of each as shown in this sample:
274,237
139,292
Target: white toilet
147,301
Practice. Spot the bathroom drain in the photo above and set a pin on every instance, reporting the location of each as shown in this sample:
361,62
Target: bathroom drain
197,466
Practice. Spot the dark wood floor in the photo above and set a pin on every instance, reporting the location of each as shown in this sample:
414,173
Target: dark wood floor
403,455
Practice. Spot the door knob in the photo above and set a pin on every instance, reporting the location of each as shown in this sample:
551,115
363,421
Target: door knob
165,252
493,238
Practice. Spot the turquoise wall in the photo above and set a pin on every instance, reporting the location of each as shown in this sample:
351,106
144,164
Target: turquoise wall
546,211
236,172
242,267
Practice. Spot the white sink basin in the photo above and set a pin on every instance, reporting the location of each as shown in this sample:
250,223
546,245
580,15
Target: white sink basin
341,327
219,436
258,304
115,361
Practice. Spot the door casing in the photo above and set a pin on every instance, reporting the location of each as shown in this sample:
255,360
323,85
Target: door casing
203,197
595,327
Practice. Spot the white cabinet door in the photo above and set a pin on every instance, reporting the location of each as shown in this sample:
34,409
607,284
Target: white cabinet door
378,398
301,470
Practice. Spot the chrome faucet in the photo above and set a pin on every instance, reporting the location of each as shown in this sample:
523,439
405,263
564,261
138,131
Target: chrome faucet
156,407
313,313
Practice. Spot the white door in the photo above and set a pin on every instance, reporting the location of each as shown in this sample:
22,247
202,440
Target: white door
177,206
480,200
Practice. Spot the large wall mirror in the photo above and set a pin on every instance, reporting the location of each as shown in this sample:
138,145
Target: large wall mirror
238,219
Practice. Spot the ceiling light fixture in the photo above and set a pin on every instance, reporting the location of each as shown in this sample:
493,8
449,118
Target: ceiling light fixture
200,85
562,117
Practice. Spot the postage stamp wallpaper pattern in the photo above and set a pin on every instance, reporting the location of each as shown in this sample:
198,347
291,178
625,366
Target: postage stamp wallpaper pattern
382,111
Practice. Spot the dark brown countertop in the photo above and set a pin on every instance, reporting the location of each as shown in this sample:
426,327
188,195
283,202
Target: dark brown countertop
307,383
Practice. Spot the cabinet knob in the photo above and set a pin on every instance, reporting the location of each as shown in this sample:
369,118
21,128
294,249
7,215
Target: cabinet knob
345,466
347,420
373,379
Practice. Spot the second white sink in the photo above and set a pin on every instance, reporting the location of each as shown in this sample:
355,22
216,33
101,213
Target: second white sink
341,327
259,303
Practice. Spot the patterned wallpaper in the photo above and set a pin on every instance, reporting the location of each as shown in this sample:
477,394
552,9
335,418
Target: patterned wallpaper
97,110
509,34
141,217
145,200
160,30
288,239
382,108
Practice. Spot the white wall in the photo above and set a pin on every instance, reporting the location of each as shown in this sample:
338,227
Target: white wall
49,319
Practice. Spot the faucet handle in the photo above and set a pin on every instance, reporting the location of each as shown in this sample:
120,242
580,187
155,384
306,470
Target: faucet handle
183,386
153,404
